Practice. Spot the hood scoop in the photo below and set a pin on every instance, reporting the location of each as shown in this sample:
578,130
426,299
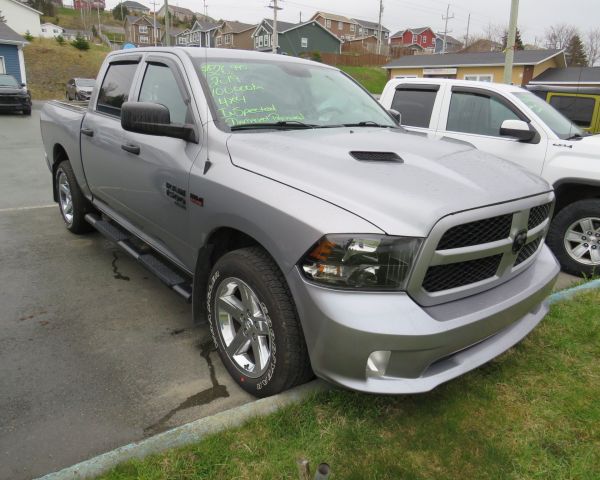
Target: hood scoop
376,157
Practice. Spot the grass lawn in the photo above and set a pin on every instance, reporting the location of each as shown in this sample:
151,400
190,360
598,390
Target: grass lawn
533,413
372,78
50,65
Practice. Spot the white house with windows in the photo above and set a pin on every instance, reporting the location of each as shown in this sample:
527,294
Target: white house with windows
49,30
201,34
20,17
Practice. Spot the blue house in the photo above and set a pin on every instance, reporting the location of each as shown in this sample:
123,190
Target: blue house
11,53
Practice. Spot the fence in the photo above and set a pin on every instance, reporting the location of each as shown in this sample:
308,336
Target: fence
351,60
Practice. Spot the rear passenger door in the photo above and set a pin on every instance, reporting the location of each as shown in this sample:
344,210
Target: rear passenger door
475,115
419,106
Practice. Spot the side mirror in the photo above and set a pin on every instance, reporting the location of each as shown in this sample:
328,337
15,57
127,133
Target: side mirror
153,119
396,115
23,84
518,129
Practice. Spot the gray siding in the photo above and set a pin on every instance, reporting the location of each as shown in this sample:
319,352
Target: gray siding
318,41
11,60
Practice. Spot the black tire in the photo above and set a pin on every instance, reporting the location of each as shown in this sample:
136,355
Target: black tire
81,205
27,111
558,230
288,363
67,96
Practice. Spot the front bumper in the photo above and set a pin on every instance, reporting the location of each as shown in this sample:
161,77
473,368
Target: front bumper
418,348
14,102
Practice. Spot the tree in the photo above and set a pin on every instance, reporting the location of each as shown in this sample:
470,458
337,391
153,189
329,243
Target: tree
592,46
60,40
80,43
558,36
28,36
120,12
193,20
518,42
94,31
575,52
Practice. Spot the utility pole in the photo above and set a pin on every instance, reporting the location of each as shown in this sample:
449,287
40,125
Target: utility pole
274,37
99,26
167,18
446,32
379,39
154,29
467,35
509,54
205,8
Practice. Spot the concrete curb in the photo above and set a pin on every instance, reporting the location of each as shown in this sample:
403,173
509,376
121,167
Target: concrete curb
186,434
198,429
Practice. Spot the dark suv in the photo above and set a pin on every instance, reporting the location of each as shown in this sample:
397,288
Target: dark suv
14,96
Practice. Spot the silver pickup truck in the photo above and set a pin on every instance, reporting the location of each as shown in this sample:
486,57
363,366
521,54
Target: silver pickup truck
311,232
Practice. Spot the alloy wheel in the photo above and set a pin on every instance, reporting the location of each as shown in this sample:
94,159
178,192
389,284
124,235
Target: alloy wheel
65,197
582,241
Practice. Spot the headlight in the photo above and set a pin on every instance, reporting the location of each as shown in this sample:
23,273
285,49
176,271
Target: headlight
362,262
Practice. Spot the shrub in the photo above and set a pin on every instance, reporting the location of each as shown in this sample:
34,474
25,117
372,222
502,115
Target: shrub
80,43
60,40
316,57
28,36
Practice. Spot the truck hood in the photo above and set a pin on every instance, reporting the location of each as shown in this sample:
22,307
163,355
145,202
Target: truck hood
436,177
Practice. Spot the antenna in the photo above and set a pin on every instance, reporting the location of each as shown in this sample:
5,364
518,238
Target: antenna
274,37
446,31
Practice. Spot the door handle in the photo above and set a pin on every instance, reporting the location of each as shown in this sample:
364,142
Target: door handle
135,149
87,131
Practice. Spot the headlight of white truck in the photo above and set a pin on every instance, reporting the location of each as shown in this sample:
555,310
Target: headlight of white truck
362,262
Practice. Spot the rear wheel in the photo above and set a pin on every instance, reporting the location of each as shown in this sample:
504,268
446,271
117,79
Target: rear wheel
254,323
574,237
73,205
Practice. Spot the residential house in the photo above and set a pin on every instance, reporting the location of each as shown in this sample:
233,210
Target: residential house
142,31
201,34
368,44
135,7
182,14
482,45
366,29
420,39
234,34
11,53
20,17
488,66
89,4
49,30
569,77
342,27
174,33
452,44
296,38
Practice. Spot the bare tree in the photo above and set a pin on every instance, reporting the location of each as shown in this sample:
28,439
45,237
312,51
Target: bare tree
592,46
558,36
493,33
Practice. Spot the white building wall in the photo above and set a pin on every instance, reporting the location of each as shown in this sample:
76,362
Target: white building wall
20,18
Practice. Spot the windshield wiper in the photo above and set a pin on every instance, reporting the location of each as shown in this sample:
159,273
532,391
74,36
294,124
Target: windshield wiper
284,125
575,136
368,123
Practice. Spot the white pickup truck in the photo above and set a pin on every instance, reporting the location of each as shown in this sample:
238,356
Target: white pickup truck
515,124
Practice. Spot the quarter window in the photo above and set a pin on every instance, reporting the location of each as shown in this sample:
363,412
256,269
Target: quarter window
159,86
115,88
415,106
478,114
579,110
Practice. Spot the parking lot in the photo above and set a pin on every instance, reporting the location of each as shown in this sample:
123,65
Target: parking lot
94,352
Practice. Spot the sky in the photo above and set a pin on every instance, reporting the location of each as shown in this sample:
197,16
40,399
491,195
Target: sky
535,16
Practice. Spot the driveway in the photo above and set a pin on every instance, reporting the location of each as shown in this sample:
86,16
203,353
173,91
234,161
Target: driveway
94,352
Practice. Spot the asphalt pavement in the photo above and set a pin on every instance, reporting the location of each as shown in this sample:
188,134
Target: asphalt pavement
95,352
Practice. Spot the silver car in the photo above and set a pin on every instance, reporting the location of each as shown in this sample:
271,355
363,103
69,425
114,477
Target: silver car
311,232
79,88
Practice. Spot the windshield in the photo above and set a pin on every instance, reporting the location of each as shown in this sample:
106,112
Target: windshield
85,82
268,92
559,124
8,81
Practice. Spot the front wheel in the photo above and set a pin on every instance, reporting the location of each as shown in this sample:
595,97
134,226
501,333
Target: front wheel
254,323
574,237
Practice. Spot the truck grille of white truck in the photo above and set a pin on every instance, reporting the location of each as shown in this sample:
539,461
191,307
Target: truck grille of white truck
466,254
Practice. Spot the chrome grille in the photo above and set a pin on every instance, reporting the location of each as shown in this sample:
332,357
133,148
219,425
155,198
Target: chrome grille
472,251
474,233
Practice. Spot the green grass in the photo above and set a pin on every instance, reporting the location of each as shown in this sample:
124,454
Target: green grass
533,413
372,78
70,18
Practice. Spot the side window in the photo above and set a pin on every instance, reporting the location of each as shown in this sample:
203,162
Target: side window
159,86
415,106
579,110
477,113
115,88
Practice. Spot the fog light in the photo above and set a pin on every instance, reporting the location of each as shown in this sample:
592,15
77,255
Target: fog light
377,363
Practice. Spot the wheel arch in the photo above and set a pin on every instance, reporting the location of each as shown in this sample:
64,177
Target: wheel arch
570,190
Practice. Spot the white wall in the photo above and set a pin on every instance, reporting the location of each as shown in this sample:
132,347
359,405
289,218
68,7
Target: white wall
20,18
52,30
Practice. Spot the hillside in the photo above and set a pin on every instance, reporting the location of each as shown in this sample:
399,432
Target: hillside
72,19
49,66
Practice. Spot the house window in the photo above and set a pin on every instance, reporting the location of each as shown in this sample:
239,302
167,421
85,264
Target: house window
2,66
304,42
181,40
352,27
328,23
143,29
360,30
218,40
44,30
414,39
143,39
267,40
340,25
480,78
260,41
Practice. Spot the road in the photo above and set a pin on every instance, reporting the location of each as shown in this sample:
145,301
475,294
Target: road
94,352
